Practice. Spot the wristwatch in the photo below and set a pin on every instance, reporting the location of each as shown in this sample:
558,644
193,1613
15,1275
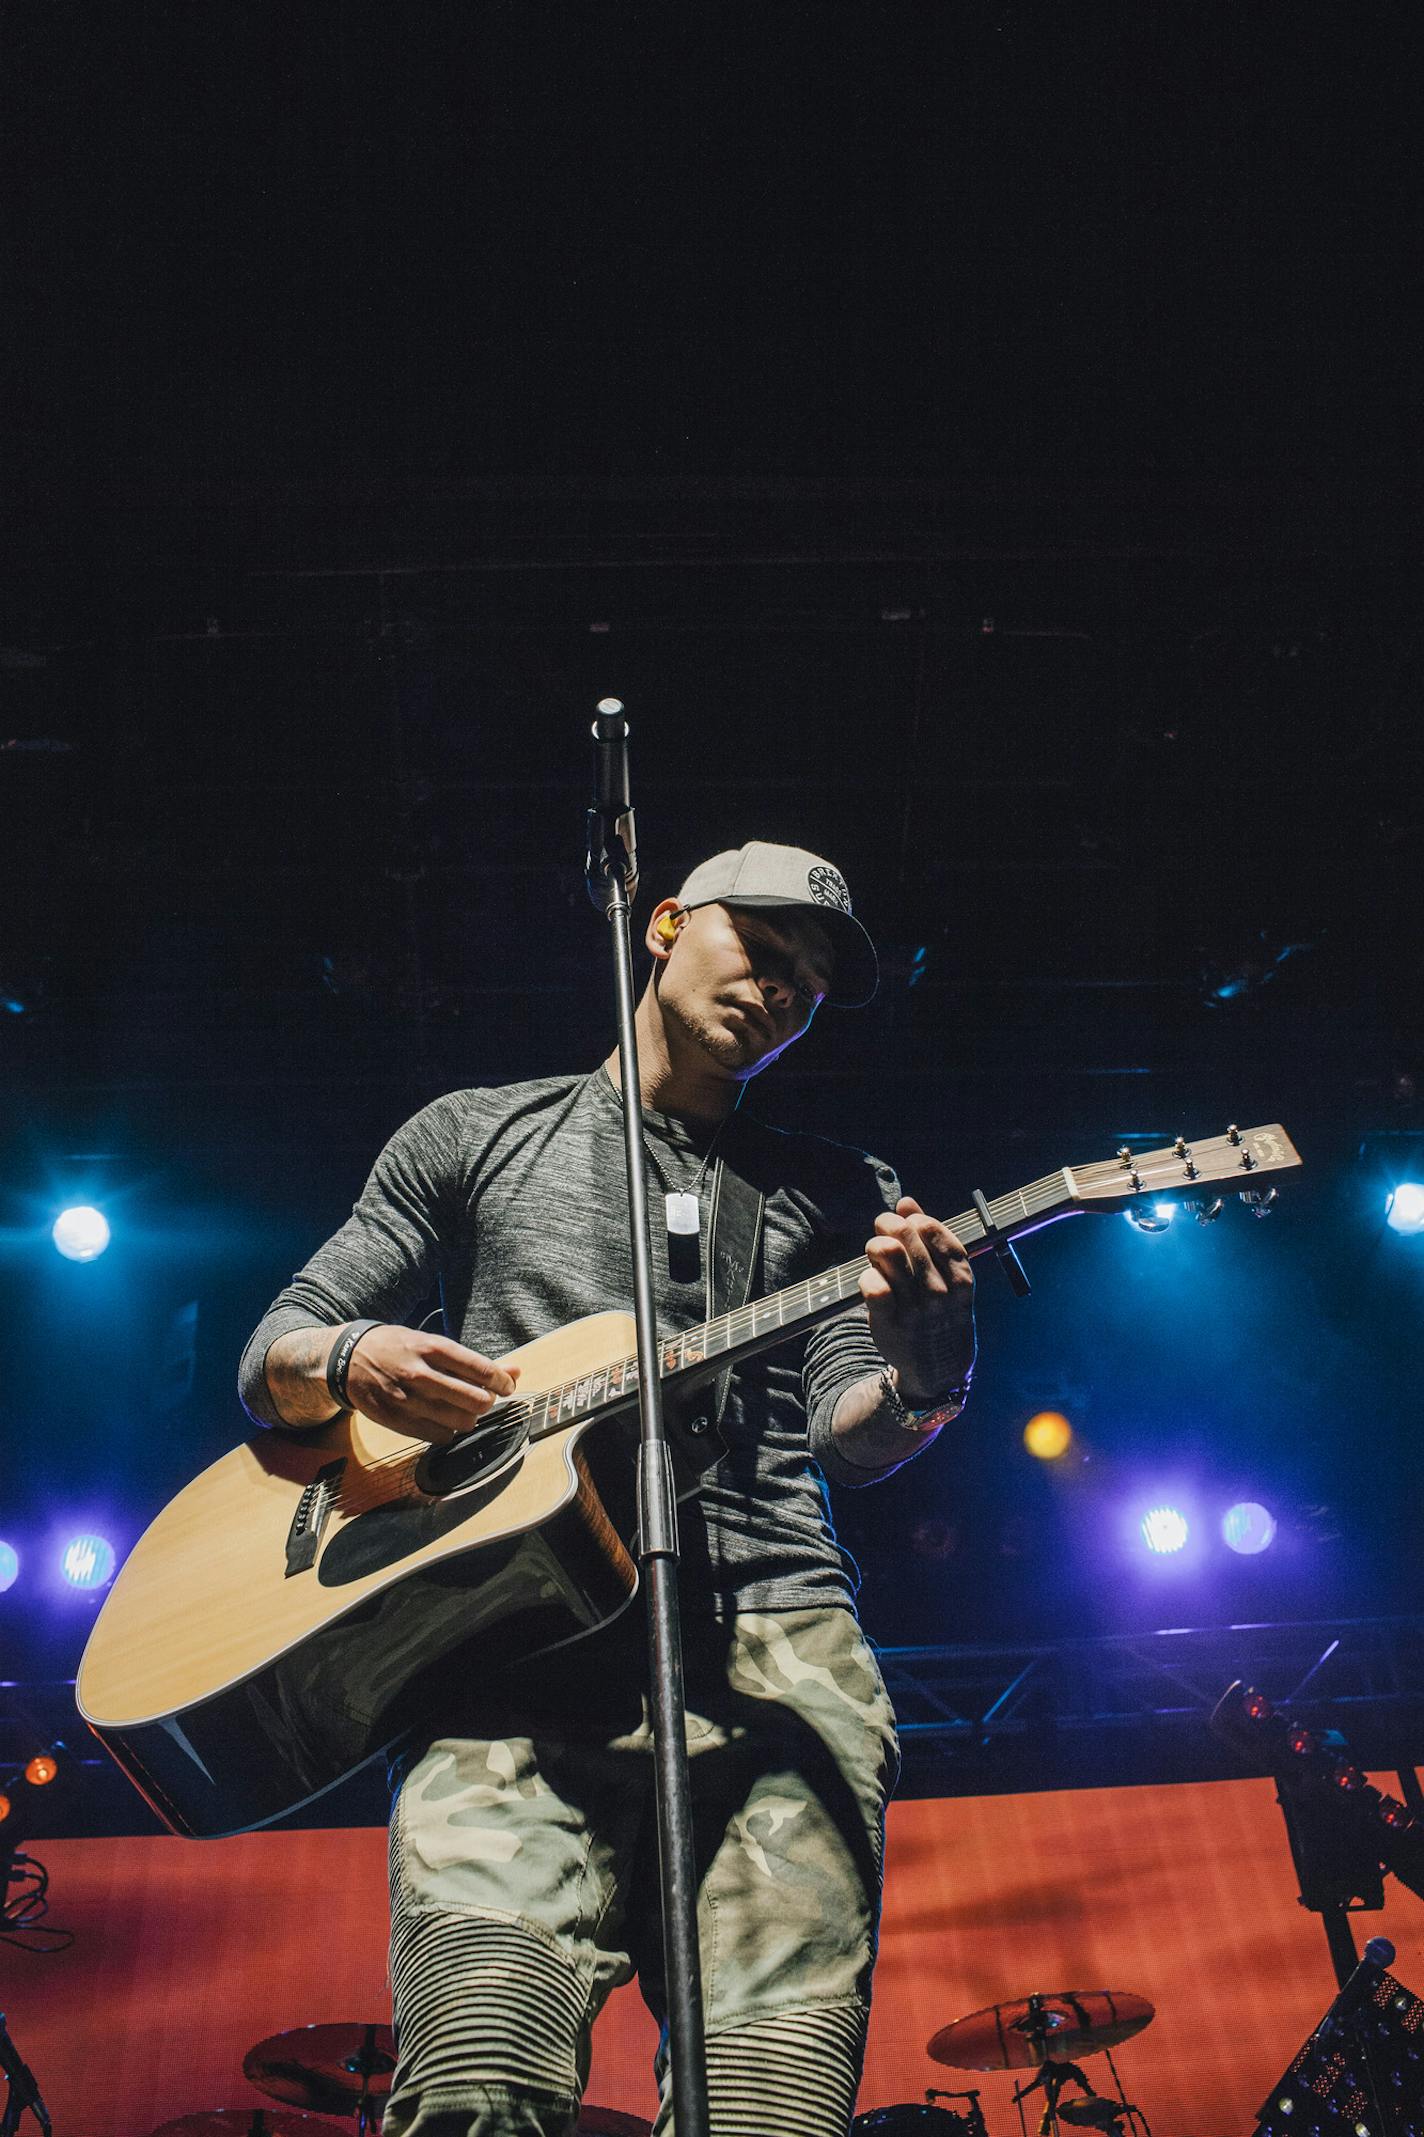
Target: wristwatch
929,1417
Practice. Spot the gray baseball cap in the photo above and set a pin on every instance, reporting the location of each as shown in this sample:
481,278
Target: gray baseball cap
759,874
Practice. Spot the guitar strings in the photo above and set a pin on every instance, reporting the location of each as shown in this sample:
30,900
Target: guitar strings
1034,1199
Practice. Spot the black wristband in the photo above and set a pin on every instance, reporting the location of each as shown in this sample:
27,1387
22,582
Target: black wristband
338,1365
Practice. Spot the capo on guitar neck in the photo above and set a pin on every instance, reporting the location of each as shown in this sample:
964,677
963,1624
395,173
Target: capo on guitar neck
1004,1251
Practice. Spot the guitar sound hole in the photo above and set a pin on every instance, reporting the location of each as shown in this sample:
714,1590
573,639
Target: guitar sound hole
478,1455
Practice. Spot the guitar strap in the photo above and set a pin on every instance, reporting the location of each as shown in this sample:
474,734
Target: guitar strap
733,1246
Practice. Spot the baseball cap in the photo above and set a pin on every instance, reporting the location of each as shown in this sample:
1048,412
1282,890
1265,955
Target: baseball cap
760,874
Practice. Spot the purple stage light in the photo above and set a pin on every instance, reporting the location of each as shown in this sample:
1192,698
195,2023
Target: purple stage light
1248,1527
1164,1530
9,1566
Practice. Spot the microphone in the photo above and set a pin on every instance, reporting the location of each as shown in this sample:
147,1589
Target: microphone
612,842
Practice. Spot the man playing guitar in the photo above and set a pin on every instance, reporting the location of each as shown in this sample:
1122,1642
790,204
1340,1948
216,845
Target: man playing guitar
523,1842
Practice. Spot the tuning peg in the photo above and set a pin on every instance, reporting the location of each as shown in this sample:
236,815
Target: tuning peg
1205,1212
1260,1200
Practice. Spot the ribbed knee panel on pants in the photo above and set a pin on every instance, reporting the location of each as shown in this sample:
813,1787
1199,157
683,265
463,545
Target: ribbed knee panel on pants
487,2111
792,2074
482,2002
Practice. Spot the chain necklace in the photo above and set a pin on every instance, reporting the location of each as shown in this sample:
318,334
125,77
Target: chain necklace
683,1207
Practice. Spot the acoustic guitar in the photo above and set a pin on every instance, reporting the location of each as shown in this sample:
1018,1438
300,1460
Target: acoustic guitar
268,1633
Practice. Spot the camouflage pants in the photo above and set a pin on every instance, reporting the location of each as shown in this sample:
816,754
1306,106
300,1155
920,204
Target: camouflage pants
524,1883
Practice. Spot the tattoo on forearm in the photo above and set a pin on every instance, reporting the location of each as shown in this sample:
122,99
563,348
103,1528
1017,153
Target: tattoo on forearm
866,1431
296,1375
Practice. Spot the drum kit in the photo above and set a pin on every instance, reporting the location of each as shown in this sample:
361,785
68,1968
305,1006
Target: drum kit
1041,2033
316,2071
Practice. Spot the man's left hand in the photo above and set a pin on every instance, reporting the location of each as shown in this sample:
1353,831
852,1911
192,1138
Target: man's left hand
919,1289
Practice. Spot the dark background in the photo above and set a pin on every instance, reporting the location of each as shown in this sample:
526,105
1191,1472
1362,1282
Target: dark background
977,442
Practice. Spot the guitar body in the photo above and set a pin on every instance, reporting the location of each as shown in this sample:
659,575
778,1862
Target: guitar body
264,1635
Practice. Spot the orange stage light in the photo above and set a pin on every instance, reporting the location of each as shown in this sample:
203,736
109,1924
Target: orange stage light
1048,1435
41,1769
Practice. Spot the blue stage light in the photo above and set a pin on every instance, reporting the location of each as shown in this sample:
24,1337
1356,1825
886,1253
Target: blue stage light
1404,1211
9,1566
81,1234
1164,1530
1248,1527
88,1562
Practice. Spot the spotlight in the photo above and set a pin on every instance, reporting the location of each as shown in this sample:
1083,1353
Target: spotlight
1247,1527
88,1562
9,1566
81,1234
1164,1530
1048,1435
42,1769
1404,1211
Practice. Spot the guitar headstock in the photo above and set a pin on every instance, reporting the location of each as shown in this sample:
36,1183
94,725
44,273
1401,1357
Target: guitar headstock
1234,1163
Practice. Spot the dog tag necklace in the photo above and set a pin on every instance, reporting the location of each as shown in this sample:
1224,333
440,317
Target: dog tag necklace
684,1206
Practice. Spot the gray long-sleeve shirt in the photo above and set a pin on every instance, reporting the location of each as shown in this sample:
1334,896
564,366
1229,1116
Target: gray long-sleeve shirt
513,1200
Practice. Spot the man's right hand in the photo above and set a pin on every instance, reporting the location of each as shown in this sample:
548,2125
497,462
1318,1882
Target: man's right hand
407,1378
423,1384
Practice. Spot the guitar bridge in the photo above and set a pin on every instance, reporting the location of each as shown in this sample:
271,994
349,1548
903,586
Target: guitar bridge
310,1518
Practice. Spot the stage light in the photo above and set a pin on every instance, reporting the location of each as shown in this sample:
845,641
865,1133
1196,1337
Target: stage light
1404,1211
1164,1530
9,1566
5,1808
1247,1527
41,1770
1048,1435
81,1234
88,1562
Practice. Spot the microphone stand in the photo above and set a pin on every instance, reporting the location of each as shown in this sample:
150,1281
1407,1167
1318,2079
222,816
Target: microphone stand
612,873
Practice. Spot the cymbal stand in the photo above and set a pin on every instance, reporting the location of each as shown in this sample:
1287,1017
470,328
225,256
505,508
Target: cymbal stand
1035,2031
1133,2115
364,2065
1052,2077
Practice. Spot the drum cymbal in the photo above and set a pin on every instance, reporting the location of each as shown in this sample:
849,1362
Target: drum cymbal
247,2122
1041,2029
325,2067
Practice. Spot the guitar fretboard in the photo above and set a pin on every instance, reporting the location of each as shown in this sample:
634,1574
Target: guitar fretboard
763,1322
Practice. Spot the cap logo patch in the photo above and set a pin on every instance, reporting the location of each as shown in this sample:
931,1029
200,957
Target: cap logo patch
828,887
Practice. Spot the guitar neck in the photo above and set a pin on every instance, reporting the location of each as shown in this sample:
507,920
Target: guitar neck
698,1354
1231,1164
764,1322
